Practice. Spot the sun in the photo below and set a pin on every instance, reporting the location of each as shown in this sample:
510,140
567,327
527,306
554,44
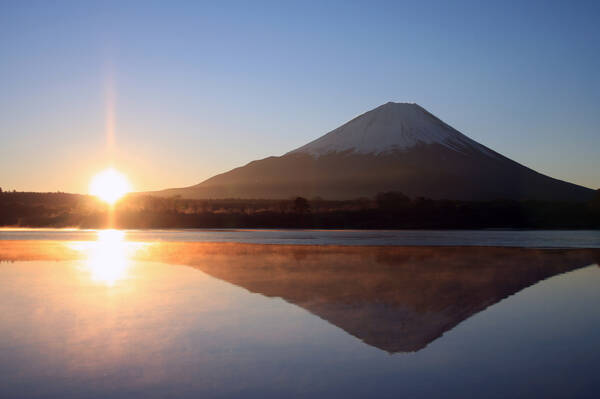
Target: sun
109,185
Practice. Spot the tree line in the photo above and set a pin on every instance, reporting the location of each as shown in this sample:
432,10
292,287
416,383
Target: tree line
390,210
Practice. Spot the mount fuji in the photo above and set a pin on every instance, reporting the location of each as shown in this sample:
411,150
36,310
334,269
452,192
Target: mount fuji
394,147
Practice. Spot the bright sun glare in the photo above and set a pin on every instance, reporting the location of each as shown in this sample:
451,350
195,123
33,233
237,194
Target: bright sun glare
108,259
109,185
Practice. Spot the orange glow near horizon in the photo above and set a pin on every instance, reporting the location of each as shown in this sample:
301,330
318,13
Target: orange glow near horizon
109,185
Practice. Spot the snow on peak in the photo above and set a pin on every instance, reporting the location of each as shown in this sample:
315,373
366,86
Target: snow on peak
391,126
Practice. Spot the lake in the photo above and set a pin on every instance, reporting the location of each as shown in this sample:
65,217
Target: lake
253,314
501,238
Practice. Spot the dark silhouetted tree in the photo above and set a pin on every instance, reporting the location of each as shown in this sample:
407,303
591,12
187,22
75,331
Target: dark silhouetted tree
595,202
283,206
301,205
391,200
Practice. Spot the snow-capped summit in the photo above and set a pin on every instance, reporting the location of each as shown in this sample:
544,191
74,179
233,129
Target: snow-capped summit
390,127
394,147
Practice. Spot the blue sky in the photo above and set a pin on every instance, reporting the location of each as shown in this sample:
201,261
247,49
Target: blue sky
199,88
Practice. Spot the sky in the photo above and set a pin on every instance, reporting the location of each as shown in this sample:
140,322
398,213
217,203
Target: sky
172,93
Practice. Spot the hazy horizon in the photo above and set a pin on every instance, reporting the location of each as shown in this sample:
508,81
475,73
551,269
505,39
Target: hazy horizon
172,95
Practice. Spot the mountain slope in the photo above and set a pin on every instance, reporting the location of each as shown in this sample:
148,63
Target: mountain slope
394,147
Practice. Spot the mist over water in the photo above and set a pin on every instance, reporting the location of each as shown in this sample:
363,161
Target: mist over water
106,315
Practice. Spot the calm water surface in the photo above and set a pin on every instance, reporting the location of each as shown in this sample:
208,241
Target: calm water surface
501,238
145,314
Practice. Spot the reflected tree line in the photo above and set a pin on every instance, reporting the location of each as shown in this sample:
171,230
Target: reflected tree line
385,210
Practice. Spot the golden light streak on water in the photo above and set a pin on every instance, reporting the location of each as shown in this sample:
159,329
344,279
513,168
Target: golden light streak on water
108,259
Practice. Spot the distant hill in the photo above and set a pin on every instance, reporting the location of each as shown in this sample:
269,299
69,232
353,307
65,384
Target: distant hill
394,147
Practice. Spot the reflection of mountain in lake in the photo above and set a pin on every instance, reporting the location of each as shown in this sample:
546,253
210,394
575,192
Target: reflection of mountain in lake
396,299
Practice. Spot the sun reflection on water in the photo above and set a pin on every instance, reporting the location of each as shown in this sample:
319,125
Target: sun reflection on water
107,259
